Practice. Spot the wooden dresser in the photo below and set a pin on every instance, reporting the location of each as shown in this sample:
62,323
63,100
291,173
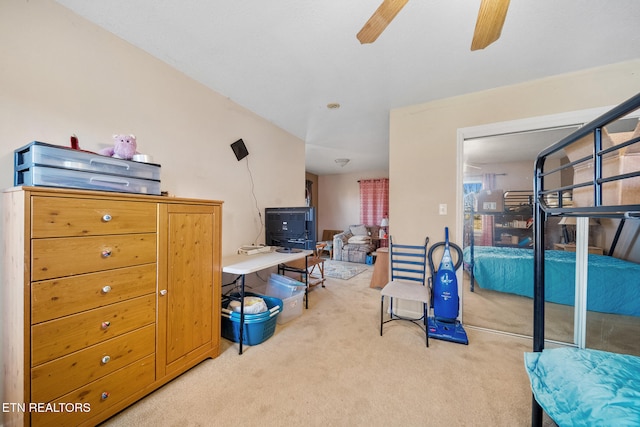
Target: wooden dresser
106,296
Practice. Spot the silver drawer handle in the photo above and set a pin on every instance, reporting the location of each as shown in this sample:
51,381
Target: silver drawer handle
116,181
106,253
106,289
163,292
105,360
104,395
106,217
105,325
109,161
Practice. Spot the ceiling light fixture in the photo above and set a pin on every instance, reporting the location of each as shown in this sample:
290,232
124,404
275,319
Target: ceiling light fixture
333,106
342,162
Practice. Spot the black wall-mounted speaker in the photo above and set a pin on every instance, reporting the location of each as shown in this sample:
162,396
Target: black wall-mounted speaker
239,149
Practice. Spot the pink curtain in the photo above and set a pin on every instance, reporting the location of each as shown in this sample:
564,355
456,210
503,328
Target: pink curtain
488,183
374,200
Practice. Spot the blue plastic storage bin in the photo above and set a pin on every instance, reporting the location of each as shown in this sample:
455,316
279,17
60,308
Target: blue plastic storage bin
257,327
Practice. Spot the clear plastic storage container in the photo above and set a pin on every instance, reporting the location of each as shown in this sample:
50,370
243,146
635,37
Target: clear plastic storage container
66,178
42,154
290,291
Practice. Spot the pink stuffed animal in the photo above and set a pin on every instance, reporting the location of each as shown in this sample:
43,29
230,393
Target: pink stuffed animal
124,147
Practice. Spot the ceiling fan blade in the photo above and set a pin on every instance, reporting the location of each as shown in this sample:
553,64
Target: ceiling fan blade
491,18
379,20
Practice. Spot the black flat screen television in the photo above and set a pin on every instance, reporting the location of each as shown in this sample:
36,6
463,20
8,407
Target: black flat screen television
292,229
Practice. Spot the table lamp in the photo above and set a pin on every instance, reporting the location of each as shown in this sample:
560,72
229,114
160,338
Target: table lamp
382,233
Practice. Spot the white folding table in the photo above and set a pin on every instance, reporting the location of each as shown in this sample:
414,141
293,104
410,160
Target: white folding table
242,264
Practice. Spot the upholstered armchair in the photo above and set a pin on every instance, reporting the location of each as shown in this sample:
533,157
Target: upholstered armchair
355,243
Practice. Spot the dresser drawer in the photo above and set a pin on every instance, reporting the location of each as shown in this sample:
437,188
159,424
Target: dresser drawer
67,256
61,376
56,338
67,217
99,395
61,297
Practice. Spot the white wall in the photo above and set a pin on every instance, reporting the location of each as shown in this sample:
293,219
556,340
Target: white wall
61,75
509,176
423,145
339,199
423,138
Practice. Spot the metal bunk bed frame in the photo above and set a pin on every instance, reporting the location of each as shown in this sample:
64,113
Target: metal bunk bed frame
542,209
511,199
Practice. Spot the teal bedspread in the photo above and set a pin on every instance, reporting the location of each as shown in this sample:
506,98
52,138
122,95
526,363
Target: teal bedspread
613,285
586,387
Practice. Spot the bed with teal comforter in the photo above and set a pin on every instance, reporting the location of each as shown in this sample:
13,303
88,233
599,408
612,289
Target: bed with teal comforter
586,387
613,284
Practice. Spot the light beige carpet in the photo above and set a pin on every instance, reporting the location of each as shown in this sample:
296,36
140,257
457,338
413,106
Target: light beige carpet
342,270
331,367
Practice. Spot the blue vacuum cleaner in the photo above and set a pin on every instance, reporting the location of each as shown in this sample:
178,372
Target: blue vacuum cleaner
445,301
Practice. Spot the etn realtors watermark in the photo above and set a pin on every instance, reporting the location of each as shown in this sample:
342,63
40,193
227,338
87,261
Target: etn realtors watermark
45,407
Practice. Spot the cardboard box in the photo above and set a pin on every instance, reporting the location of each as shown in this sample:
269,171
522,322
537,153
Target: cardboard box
488,201
622,192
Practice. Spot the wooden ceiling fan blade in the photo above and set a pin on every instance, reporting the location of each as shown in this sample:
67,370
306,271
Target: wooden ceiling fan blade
491,18
379,20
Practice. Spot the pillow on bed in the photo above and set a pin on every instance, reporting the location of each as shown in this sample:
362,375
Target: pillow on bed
359,230
586,387
359,240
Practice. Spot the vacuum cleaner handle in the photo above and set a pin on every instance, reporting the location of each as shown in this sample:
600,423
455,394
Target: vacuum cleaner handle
453,246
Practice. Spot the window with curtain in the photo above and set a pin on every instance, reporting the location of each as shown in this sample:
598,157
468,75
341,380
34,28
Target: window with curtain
374,200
